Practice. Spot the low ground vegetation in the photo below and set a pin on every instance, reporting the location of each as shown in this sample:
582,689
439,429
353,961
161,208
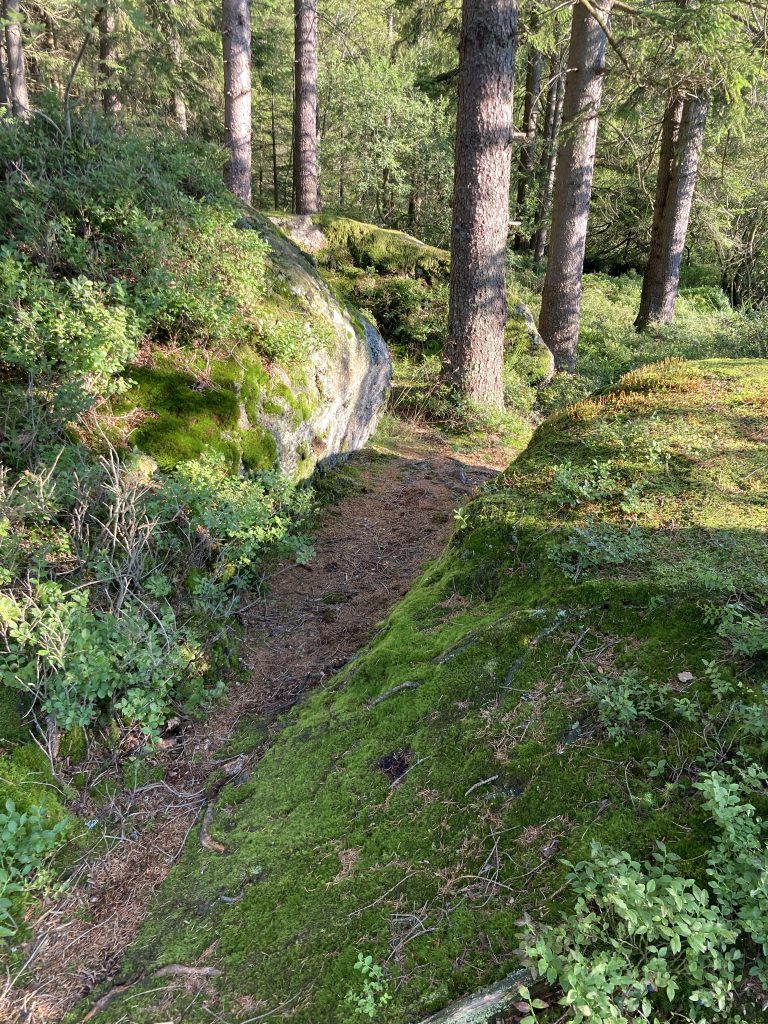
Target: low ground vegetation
134,318
563,724
553,753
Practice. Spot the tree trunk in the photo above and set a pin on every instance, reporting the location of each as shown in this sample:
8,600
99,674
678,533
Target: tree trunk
275,177
681,142
306,182
5,95
386,206
414,206
477,313
110,98
553,117
561,297
528,149
14,48
236,39
179,101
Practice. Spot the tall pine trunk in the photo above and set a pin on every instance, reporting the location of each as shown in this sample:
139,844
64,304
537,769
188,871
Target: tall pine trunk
236,39
306,177
5,94
528,149
179,100
477,314
548,162
110,98
561,297
273,134
14,49
681,142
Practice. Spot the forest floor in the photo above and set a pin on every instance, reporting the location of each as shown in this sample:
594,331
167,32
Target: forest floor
371,545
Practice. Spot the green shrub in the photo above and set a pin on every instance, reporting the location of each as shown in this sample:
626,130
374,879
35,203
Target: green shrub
643,943
126,637
27,840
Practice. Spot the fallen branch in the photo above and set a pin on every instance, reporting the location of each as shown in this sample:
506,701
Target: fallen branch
484,782
400,778
231,770
170,971
483,1006
206,840
410,685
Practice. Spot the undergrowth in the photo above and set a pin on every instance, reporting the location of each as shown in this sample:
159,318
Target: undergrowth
134,314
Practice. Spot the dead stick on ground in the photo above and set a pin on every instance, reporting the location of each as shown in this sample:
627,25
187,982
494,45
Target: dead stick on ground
172,970
410,685
484,782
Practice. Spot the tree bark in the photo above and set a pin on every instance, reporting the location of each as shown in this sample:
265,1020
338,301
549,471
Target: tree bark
306,177
414,206
5,95
477,311
681,143
561,297
236,39
110,98
528,149
179,100
553,117
14,48
275,177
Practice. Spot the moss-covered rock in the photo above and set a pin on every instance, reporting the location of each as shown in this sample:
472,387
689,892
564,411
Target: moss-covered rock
287,376
414,809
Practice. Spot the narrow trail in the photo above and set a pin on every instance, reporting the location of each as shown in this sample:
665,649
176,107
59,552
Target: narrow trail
370,546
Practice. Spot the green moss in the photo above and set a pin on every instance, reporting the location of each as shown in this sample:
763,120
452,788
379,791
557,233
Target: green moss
374,248
11,728
74,745
27,780
183,416
259,449
508,767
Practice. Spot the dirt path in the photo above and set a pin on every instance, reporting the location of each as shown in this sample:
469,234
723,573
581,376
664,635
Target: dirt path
370,546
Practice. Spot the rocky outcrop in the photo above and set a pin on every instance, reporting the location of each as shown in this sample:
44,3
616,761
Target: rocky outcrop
345,381
298,379
545,361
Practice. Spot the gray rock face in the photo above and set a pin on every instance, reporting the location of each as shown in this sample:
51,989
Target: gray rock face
346,381
538,346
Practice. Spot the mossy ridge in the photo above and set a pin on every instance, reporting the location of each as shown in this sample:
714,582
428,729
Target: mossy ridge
508,767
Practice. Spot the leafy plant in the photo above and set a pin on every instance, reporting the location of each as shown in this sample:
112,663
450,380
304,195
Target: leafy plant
577,484
26,843
372,995
744,627
596,545
625,701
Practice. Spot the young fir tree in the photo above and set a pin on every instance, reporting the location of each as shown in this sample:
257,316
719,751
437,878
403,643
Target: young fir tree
553,116
477,314
528,149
